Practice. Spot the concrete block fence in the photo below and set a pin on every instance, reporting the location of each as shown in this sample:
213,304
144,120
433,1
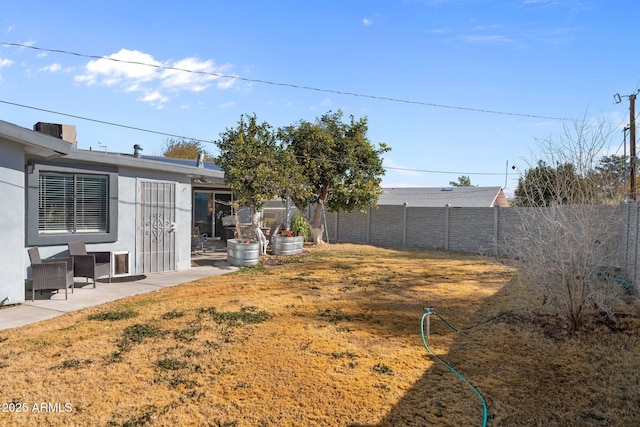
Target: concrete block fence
476,230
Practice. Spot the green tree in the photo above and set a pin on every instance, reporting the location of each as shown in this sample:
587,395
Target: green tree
610,175
463,181
256,166
184,149
343,170
544,185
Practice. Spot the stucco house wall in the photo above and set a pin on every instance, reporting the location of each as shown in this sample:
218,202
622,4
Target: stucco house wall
25,153
12,264
128,219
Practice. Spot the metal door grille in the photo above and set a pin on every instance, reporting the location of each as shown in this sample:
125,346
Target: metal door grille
156,239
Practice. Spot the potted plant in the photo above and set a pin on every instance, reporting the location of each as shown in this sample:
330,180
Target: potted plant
301,227
290,242
243,249
286,243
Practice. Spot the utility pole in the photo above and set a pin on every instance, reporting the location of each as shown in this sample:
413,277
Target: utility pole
632,143
624,163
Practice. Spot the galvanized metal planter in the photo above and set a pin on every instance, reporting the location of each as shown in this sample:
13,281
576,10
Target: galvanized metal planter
287,245
241,254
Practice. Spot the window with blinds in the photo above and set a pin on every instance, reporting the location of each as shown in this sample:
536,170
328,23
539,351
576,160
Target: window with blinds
72,203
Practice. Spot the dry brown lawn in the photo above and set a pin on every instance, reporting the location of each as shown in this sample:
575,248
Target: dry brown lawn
331,338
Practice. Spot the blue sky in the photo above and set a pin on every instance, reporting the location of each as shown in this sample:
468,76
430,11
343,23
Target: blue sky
472,83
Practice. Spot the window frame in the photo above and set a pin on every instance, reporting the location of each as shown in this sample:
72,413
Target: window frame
33,233
76,203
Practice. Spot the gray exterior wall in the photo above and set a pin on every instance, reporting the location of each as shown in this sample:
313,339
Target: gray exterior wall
128,219
14,259
476,230
24,153
12,222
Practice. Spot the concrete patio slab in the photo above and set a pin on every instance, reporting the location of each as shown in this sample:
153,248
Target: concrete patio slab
51,304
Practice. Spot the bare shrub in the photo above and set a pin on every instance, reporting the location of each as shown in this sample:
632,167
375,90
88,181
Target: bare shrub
566,251
570,229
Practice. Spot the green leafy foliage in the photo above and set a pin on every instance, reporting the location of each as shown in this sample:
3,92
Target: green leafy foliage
544,184
342,168
300,226
328,162
256,166
463,181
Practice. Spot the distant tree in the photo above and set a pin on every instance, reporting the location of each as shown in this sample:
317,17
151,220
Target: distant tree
543,185
184,149
343,170
610,175
463,181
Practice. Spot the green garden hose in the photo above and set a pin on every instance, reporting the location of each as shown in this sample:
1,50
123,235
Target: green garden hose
428,312
626,285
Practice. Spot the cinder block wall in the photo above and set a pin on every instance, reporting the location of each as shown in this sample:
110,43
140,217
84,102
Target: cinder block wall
487,231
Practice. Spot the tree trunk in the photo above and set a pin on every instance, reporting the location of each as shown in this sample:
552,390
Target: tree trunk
317,227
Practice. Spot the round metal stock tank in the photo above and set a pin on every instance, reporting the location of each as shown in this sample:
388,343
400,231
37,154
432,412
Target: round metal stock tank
287,245
241,254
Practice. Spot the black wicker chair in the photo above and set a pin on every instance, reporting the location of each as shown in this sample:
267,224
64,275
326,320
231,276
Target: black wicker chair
91,265
55,273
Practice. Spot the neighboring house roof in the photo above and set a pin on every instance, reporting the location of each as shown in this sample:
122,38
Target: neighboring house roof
442,196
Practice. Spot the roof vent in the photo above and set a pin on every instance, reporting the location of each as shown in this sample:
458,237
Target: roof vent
136,151
200,161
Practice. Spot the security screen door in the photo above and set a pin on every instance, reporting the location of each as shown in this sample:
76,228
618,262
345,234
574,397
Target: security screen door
156,236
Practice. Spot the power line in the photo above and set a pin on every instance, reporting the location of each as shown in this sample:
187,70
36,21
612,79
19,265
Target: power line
290,85
104,122
212,142
397,168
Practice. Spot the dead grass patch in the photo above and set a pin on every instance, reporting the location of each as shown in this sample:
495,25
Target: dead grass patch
330,339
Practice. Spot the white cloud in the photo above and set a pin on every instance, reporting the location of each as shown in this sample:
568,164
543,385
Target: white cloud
52,68
154,97
55,68
227,104
367,22
196,79
324,103
489,38
225,82
4,62
135,71
124,65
